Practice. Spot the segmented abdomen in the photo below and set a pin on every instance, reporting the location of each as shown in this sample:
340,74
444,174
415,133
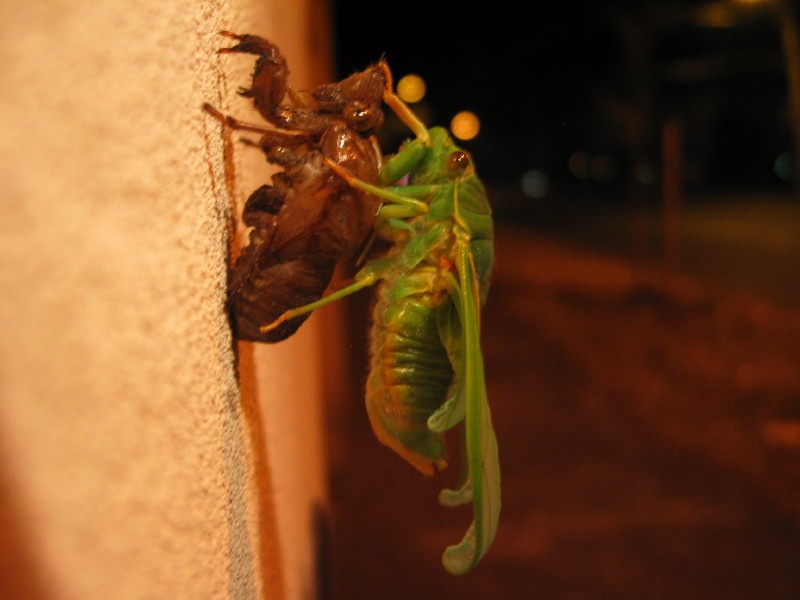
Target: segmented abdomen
272,289
409,378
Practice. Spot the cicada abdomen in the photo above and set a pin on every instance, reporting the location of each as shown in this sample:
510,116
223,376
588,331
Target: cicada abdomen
410,373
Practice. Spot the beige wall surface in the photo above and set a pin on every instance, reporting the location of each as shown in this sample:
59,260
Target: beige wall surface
143,454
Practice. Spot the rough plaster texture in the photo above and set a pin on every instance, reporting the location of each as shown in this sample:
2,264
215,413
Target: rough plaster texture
142,453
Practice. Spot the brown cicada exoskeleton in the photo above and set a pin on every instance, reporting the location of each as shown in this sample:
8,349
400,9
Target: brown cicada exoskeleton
309,219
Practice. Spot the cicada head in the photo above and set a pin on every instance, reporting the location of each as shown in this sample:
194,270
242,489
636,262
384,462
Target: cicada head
443,162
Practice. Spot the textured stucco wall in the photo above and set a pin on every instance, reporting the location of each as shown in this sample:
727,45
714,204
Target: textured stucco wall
139,457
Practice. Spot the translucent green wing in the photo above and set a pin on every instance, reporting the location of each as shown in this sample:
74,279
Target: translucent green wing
482,482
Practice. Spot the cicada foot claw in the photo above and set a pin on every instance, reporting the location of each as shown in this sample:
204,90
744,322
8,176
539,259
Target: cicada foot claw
252,44
277,322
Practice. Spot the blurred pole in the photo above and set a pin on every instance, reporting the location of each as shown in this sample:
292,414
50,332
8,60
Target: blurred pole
671,142
787,12
631,105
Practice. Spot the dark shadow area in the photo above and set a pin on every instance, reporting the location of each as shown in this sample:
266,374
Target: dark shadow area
21,575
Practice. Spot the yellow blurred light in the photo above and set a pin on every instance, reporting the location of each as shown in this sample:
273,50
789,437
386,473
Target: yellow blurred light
465,125
580,164
411,88
716,15
728,13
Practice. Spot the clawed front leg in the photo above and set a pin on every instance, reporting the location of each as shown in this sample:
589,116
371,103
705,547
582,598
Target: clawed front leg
269,76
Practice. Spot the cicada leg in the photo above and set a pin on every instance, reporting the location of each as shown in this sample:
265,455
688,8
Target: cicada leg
366,277
268,86
236,124
406,197
402,110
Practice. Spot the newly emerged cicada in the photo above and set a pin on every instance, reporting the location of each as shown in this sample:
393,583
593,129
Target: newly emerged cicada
309,219
426,373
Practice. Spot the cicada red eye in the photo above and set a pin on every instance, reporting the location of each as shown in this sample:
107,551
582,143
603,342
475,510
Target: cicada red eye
457,161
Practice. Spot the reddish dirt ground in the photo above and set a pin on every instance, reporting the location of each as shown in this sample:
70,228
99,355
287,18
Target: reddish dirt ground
649,430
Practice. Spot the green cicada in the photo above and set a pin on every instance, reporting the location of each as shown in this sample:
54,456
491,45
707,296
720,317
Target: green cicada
426,373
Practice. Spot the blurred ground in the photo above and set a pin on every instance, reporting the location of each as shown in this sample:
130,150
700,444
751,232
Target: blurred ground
649,430
740,242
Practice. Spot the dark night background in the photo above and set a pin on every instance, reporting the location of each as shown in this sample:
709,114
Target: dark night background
550,79
642,334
